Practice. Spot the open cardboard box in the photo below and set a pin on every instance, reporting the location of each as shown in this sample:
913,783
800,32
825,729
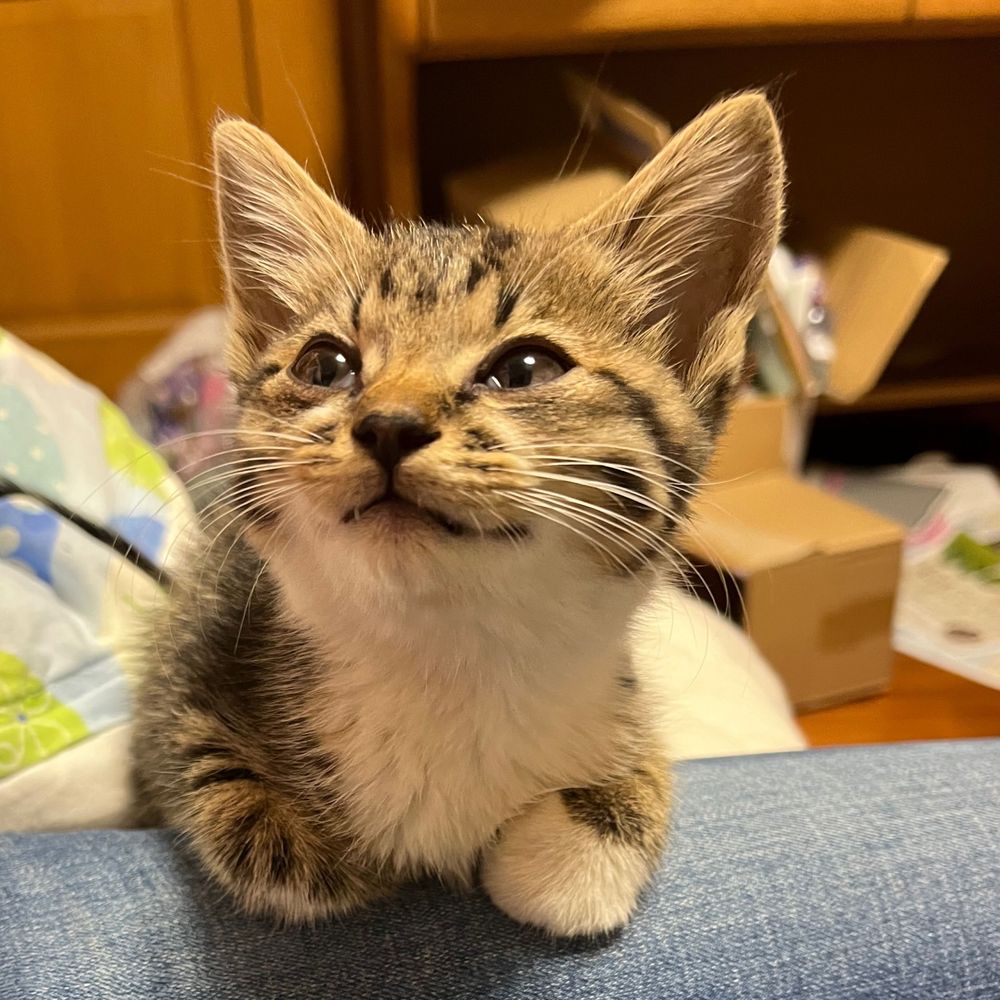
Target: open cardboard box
816,575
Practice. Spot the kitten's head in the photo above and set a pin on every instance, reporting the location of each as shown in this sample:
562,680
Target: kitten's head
433,400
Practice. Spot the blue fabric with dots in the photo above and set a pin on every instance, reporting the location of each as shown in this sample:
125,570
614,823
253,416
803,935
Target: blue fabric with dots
66,599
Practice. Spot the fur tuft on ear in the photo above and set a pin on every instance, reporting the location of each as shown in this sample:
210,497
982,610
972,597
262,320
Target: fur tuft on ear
695,228
281,234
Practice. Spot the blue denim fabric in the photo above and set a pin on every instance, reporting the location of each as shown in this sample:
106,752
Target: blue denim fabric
869,872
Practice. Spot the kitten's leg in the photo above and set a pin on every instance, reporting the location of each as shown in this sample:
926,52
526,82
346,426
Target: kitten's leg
268,848
576,860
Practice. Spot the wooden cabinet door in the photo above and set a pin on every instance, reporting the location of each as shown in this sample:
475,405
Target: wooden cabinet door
100,107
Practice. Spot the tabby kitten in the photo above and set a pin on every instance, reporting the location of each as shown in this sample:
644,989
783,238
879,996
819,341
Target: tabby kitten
401,645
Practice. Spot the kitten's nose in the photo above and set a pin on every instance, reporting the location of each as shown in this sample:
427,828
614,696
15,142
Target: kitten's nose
390,437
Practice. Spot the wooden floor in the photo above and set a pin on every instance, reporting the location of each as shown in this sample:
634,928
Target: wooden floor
924,703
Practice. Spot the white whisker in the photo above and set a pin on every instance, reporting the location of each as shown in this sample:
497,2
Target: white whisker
537,508
606,488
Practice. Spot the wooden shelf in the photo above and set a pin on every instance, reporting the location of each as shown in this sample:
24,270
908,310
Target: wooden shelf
922,395
462,28
457,23
957,10
389,40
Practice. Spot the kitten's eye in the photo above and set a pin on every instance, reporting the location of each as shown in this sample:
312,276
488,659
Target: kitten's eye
328,364
523,367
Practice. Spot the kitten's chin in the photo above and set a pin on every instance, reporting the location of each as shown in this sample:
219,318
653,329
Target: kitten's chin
394,517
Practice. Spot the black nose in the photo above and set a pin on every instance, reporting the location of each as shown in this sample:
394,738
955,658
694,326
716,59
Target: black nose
390,437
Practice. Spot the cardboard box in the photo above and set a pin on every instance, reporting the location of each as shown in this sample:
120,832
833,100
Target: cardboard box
812,577
876,281
756,438
815,576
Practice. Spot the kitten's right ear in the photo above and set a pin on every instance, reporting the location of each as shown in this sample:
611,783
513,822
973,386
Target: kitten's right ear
693,231
282,235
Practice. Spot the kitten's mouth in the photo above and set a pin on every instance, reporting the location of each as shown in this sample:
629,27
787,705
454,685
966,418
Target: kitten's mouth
392,505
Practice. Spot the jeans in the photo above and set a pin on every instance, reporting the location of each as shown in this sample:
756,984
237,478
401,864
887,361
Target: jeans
863,872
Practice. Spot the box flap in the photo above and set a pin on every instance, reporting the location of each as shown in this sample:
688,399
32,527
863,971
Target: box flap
772,519
522,191
536,189
876,282
753,439
630,128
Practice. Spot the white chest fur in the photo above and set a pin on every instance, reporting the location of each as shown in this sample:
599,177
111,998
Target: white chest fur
449,709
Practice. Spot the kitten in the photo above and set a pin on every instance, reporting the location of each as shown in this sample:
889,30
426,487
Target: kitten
403,647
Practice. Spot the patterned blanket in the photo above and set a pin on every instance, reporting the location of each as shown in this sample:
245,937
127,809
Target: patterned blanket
66,598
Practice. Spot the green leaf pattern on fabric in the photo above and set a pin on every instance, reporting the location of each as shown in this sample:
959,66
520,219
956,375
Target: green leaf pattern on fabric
33,723
128,454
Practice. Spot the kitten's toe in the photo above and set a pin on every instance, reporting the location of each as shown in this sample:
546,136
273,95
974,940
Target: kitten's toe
555,872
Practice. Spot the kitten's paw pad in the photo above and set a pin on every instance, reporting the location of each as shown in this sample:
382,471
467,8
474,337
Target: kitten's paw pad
562,875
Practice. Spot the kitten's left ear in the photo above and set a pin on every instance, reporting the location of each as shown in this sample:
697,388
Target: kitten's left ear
283,237
694,230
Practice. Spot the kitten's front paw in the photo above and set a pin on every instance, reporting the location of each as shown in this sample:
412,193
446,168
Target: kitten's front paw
562,870
271,859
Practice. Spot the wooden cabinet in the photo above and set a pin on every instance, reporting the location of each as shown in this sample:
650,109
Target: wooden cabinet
96,108
106,226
